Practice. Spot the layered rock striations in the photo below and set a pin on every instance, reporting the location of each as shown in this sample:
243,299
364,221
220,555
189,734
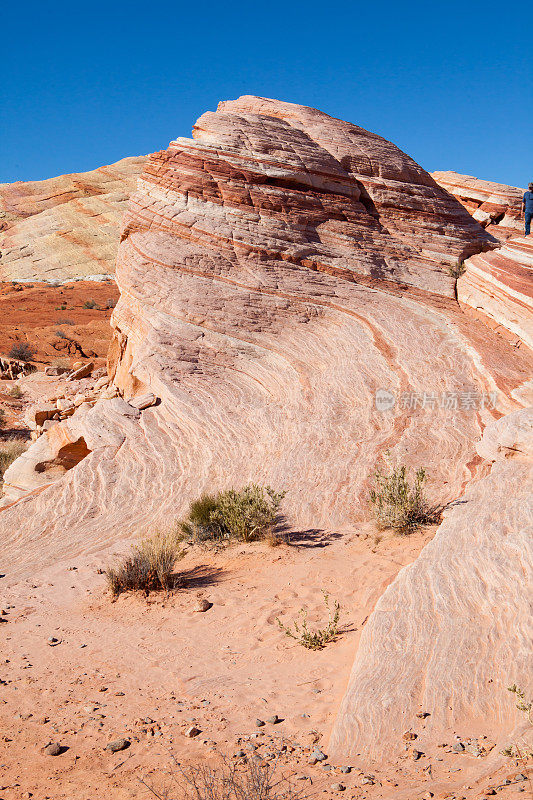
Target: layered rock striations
454,629
495,206
498,285
65,227
285,296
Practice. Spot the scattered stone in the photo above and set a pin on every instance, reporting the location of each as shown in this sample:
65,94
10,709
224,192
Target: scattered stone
423,714
259,723
346,770
117,745
143,401
202,605
53,749
338,787
409,736
80,372
368,780
416,754
191,732
53,642
458,747
274,719
119,694
474,749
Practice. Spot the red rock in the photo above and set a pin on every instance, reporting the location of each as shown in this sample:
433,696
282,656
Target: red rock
497,286
65,227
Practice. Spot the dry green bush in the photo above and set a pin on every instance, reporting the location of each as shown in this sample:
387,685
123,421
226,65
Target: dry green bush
522,752
244,515
22,351
3,420
230,781
396,502
456,270
16,392
90,304
149,567
9,451
320,637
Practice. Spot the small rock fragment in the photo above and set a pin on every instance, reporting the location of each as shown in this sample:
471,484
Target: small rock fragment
117,745
191,732
143,401
458,747
53,749
416,754
274,719
338,787
346,770
259,723
202,605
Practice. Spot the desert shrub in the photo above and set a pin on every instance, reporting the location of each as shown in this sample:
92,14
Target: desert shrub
320,637
62,307
3,420
22,351
9,451
522,752
149,567
456,270
397,503
90,304
243,515
61,334
250,780
65,321
110,302
16,392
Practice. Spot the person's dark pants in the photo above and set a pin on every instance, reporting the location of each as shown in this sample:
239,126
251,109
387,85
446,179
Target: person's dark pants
528,216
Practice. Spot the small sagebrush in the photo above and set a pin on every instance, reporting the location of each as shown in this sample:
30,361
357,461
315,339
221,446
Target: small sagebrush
396,502
9,451
90,304
456,270
16,392
22,351
320,637
522,752
149,567
247,780
244,515
3,420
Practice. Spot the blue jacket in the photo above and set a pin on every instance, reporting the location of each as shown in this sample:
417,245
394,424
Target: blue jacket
528,202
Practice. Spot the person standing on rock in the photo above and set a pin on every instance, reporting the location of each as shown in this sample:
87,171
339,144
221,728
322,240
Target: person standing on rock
527,208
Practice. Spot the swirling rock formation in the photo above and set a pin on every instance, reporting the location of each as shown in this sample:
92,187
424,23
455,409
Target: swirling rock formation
454,629
65,227
497,286
285,294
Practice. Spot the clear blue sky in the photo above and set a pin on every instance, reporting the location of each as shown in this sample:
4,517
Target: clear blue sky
84,84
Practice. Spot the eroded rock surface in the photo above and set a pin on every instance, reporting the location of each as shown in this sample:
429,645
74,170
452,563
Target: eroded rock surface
65,227
454,629
285,297
497,286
